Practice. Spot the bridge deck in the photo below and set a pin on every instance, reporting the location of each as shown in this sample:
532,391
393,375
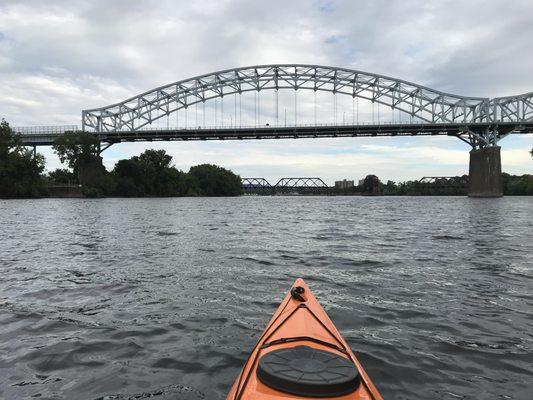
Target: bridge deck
44,138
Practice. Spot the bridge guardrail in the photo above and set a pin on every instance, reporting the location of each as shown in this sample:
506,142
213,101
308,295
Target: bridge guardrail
59,129
44,130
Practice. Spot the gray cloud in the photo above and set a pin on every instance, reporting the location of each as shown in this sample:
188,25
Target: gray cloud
59,57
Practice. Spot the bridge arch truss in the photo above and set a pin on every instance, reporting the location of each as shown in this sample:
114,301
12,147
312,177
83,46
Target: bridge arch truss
423,103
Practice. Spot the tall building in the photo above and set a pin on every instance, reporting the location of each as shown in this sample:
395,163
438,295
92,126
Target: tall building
344,184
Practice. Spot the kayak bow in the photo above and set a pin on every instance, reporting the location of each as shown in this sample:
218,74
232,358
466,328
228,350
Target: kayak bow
301,355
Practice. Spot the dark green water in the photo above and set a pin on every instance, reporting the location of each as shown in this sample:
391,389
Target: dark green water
164,298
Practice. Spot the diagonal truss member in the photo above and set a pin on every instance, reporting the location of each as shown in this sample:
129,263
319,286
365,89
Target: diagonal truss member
425,104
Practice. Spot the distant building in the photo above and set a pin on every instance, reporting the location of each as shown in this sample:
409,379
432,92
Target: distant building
344,184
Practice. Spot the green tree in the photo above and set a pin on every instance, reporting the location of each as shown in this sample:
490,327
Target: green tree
389,188
212,180
371,185
514,185
77,149
155,166
150,174
20,169
129,178
62,176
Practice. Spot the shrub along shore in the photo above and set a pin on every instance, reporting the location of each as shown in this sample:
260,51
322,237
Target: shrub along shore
152,174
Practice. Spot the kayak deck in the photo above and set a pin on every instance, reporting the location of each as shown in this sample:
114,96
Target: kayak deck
301,328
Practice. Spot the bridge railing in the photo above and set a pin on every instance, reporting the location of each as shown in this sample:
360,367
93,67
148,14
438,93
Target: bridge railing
60,129
44,130
269,125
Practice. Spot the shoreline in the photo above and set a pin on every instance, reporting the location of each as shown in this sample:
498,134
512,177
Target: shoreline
76,197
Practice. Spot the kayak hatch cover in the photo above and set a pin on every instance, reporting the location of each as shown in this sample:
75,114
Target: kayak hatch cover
301,355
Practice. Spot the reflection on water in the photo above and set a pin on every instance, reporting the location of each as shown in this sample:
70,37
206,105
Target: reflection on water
163,298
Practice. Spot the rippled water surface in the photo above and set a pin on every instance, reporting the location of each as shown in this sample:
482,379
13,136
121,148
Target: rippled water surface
164,298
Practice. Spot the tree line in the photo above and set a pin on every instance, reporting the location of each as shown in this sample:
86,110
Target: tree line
150,174
21,172
153,174
513,185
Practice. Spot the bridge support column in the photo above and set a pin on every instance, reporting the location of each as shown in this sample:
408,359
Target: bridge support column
91,172
485,172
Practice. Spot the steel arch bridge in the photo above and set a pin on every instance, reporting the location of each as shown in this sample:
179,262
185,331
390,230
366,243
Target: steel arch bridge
284,185
478,121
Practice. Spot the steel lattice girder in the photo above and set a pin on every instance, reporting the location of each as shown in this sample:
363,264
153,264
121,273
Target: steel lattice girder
426,104
512,108
445,181
255,183
301,183
471,133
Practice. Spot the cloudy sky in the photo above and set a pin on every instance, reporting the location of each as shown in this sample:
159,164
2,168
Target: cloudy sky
59,57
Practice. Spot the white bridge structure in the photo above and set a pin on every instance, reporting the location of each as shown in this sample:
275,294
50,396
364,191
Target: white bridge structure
479,121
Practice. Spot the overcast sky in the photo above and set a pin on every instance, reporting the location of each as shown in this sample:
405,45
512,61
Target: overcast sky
59,57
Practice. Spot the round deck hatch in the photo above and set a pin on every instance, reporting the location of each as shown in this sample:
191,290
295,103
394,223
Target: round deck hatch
308,372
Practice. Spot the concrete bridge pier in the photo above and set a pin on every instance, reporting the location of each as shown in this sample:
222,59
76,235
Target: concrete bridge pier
485,172
90,173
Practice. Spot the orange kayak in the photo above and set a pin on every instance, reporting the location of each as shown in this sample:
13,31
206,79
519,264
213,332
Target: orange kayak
301,355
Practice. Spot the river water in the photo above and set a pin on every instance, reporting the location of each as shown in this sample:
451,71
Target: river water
164,298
